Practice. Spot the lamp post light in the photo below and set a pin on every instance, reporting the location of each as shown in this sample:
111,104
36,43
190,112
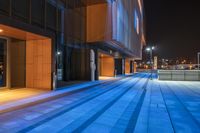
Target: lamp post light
150,50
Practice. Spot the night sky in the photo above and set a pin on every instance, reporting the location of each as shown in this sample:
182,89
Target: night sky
174,27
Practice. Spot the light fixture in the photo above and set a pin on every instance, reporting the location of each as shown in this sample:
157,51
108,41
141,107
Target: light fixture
58,53
148,49
1,30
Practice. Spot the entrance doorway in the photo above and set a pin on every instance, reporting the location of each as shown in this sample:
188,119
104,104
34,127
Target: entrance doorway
25,59
127,66
106,66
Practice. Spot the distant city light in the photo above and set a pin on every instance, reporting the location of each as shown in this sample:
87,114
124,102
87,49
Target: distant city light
190,67
182,67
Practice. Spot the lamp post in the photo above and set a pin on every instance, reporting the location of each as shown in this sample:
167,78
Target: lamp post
150,50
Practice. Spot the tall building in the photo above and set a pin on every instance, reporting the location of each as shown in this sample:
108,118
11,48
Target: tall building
46,42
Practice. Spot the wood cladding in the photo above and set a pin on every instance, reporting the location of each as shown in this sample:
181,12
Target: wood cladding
38,64
107,66
17,63
19,34
30,62
99,23
127,67
76,64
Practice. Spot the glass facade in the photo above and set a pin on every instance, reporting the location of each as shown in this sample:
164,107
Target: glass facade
3,52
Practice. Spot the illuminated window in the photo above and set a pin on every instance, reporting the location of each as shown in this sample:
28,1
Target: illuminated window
136,22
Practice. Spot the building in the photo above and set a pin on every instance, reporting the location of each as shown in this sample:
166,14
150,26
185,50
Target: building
45,42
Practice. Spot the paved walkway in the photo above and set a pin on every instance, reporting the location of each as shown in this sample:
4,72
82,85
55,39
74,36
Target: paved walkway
131,104
7,95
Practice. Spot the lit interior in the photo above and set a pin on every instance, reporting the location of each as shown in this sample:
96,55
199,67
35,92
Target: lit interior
106,65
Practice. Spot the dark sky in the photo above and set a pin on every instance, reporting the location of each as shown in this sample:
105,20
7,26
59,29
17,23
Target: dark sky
174,27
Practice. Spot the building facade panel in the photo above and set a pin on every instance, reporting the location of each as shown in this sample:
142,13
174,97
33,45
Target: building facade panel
117,22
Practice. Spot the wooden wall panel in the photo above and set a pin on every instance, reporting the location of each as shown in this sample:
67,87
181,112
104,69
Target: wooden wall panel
127,67
135,67
99,26
38,64
107,66
17,63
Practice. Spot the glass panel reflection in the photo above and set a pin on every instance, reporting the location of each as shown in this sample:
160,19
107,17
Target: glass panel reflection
2,62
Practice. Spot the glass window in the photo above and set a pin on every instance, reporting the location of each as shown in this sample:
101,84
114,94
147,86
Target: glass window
3,62
136,22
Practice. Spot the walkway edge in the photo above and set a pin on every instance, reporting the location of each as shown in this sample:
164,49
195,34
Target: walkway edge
26,102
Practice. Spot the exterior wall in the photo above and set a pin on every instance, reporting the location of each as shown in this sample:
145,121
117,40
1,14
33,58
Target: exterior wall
135,67
107,66
17,50
38,64
76,54
119,22
127,67
99,22
124,27
76,64
38,17
73,26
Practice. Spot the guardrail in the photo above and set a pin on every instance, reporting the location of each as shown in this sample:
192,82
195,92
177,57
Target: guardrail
179,75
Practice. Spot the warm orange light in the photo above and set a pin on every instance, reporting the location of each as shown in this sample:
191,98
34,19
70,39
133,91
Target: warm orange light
146,66
1,30
190,67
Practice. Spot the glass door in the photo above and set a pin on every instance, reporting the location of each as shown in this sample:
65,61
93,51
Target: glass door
3,52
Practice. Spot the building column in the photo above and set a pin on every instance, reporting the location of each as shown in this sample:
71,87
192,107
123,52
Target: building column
119,66
97,64
132,66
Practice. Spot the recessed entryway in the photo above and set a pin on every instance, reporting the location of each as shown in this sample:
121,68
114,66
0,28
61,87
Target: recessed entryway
25,59
106,65
127,66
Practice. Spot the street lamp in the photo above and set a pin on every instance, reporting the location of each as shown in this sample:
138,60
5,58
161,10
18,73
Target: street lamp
150,50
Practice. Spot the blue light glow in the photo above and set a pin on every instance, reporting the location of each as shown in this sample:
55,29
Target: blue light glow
136,21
